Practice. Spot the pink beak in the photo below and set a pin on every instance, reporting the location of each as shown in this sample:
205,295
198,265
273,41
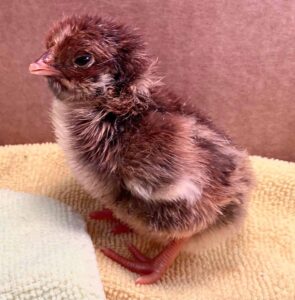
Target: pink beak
41,67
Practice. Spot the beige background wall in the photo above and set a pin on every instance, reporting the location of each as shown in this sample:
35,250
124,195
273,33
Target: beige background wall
236,59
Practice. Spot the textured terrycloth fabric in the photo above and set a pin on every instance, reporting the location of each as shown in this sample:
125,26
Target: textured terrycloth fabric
259,263
45,252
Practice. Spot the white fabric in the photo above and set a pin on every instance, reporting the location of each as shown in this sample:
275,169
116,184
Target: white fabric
45,251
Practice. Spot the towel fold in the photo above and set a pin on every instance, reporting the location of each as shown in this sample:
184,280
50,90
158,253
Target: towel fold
259,263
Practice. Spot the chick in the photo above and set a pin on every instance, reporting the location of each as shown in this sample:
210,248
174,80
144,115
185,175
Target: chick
163,168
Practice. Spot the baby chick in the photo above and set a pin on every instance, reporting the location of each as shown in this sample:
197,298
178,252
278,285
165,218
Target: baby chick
163,167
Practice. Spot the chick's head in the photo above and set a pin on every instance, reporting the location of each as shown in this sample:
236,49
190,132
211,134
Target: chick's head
88,57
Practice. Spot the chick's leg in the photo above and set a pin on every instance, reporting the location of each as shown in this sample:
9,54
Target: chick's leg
107,214
104,214
151,269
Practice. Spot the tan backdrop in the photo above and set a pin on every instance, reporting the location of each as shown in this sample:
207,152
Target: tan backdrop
236,59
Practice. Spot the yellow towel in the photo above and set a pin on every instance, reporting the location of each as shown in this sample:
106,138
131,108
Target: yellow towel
259,263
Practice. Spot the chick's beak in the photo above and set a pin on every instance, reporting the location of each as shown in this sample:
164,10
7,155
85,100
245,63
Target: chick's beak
42,67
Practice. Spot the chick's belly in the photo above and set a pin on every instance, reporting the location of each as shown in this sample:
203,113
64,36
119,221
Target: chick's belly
158,219
149,229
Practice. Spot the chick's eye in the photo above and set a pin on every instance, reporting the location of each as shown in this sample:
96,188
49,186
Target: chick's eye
84,61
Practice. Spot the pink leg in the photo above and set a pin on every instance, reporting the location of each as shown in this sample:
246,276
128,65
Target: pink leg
107,214
150,269
104,214
120,228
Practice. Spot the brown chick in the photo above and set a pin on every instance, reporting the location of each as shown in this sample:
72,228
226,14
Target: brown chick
164,169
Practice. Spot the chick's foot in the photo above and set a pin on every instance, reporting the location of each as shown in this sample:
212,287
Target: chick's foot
107,214
151,269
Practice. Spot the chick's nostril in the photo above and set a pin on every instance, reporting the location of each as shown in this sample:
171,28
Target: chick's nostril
45,57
